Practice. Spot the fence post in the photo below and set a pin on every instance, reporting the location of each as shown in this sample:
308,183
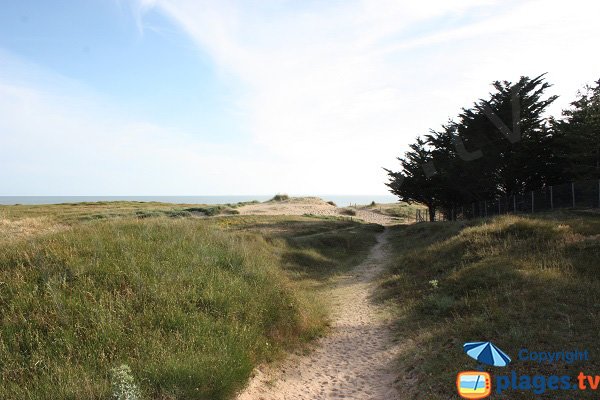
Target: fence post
499,208
515,203
485,206
573,192
598,192
551,198
532,204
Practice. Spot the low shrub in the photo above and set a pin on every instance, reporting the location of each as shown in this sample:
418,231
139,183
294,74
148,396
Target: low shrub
280,197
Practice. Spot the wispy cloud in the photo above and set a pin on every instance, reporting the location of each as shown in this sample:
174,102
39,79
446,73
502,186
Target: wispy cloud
58,137
338,88
328,93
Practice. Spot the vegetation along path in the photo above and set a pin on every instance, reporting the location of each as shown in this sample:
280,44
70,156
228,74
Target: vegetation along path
355,361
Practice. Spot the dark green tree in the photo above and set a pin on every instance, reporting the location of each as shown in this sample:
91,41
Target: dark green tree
416,183
511,131
500,146
579,135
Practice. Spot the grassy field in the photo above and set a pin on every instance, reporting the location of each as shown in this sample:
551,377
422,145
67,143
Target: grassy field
87,211
189,305
520,282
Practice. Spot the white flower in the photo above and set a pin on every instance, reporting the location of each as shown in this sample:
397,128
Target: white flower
123,384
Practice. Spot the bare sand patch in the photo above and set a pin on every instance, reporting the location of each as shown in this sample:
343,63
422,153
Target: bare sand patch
312,206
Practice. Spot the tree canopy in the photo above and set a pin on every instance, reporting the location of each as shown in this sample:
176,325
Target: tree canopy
502,145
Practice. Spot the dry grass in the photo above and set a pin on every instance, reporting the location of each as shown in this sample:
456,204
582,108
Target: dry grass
73,213
22,228
517,281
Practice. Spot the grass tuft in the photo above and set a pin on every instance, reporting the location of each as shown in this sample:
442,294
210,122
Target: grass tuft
280,197
348,211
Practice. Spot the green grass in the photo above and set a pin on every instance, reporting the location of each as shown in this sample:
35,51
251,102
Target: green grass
519,282
313,248
191,305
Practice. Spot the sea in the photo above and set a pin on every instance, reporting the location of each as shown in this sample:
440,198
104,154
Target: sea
339,200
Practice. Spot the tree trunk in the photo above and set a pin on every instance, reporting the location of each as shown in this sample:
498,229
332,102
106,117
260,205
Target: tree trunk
431,213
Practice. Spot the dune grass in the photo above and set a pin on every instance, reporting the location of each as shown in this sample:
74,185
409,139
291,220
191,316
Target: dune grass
312,248
520,282
70,213
280,197
348,211
189,305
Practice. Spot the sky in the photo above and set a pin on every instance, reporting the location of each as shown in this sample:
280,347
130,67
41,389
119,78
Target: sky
194,97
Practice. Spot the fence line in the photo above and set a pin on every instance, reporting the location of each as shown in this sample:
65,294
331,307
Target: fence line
581,194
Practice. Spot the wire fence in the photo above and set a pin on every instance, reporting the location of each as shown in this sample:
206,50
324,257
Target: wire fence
581,194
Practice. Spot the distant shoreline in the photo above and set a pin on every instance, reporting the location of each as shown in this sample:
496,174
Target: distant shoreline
340,200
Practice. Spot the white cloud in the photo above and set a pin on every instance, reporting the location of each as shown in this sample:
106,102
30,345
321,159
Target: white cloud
329,91
337,89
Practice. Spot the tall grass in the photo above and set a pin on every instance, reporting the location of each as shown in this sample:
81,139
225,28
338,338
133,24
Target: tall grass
187,307
312,247
518,281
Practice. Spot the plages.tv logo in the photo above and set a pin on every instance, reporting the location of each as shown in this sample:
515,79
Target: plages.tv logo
478,384
474,384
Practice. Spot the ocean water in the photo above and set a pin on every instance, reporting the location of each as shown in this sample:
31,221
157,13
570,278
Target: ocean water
340,200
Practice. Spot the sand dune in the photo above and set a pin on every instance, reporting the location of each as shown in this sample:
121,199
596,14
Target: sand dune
314,206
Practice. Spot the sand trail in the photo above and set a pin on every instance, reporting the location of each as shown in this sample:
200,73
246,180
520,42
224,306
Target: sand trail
355,361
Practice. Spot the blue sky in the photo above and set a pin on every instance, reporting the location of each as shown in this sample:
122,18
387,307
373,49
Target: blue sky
192,97
99,44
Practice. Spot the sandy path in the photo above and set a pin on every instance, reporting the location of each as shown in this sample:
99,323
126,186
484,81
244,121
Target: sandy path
354,361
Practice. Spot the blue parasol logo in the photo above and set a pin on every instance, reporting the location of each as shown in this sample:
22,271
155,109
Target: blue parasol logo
487,353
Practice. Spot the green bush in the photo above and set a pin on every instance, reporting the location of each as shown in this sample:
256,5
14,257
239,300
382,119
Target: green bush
280,197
